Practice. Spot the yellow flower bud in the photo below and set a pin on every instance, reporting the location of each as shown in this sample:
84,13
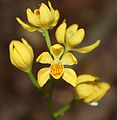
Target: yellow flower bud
89,90
60,33
72,37
21,55
43,17
76,38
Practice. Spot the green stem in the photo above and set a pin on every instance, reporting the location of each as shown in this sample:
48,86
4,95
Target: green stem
67,48
49,99
34,81
48,93
47,38
50,106
65,108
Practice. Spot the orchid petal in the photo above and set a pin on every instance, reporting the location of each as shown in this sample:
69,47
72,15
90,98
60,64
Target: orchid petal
25,26
69,59
70,76
60,33
88,48
77,38
45,58
86,78
57,50
43,76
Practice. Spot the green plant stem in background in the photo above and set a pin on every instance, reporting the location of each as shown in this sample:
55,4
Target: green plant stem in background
34,81
65,108
47,38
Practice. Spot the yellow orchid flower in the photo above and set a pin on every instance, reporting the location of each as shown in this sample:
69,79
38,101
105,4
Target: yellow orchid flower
42,18
21,55
57,69
89,89
72,37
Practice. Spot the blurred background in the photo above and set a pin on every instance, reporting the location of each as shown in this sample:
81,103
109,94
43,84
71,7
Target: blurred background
20,100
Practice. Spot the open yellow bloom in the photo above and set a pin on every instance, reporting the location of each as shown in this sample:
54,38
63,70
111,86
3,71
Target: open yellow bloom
89,89
21,55
71,37
57,69
43,17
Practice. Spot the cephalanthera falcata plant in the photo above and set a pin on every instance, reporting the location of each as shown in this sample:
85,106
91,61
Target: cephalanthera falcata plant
88,87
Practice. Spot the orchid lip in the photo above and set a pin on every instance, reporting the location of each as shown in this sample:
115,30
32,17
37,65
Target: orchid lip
56,70
37,12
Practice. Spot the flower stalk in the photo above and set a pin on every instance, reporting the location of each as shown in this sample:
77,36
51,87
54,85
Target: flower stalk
65,108
50,106
49,99
47,38
34,81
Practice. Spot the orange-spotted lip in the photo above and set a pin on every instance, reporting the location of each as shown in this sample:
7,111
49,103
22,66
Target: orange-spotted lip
56,70
37,12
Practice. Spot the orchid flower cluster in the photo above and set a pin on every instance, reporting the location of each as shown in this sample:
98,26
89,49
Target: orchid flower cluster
87,87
